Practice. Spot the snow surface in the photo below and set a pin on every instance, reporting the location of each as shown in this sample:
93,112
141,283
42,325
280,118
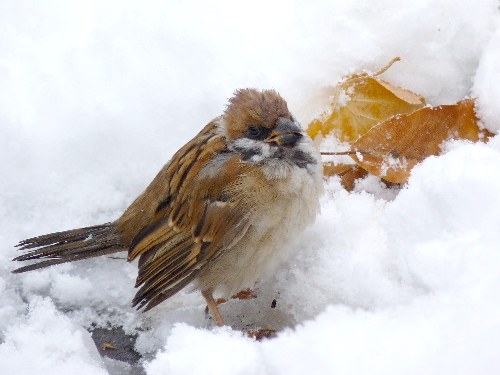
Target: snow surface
96,96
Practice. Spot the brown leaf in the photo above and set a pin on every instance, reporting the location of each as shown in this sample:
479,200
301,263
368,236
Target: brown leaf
348,179
348,173
332,169
245,294
261,334
391,149
360,102
107,346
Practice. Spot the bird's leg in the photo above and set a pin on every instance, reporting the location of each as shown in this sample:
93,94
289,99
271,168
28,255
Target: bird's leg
212,306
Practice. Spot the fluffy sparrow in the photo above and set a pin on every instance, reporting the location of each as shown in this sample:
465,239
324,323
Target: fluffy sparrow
218,216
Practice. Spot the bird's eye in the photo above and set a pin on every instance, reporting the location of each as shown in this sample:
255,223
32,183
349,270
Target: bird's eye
254,131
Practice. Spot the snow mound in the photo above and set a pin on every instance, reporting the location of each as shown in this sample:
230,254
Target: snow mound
486,85
47,342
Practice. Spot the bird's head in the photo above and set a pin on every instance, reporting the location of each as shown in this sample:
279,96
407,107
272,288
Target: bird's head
259,126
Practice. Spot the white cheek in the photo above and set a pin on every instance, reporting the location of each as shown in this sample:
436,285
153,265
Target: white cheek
264,150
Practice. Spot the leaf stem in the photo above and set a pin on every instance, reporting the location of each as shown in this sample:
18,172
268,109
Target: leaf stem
338,153
387,67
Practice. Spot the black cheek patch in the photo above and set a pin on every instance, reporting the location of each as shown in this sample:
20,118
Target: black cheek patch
247,155
302,159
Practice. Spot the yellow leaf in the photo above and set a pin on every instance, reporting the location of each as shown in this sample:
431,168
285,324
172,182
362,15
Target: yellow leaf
360,102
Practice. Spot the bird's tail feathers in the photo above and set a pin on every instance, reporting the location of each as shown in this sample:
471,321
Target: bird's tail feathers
69,246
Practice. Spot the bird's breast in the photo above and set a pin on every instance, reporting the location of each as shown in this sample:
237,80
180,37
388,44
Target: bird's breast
280,208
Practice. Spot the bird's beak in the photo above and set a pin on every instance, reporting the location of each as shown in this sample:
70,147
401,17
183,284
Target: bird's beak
287,133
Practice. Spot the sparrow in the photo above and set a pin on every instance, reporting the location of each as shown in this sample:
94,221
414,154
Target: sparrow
218,216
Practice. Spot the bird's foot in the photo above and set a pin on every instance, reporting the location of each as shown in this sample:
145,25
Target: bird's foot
242,295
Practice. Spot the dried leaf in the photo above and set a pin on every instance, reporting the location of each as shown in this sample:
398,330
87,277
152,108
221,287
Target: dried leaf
348,179
245,294
348,173
262,333
107,346
360,102
391,149
332,169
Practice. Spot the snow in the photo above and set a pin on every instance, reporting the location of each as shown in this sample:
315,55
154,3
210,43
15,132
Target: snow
485,86
46,342
95,98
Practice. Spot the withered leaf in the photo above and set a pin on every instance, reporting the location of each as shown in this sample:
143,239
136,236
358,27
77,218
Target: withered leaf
348,173
332,169
360,102
392,148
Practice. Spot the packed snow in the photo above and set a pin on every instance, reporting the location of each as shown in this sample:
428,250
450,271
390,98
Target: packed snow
96,96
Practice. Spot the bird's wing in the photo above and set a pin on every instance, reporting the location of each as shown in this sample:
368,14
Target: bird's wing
187,215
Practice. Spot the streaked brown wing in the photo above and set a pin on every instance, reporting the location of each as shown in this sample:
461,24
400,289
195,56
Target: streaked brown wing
187,216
